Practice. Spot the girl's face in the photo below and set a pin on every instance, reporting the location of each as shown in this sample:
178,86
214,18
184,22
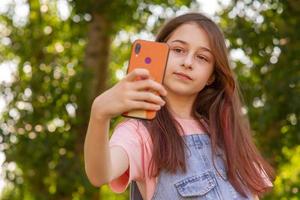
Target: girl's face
191,63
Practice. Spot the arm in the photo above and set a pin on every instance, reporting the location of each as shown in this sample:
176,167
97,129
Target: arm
103,164
99,158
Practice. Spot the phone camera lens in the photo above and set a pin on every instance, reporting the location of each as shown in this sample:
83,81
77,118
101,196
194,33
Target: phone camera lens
137,48
147,60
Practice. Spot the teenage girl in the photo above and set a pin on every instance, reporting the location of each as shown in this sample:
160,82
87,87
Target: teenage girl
199,146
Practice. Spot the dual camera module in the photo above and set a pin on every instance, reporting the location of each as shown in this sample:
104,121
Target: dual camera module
137,50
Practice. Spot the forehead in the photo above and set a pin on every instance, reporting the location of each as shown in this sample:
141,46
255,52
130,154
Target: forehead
192,34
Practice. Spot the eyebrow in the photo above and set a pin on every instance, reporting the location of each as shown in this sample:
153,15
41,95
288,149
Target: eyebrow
184,42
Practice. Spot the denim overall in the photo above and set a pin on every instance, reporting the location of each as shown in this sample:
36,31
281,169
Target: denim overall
201,181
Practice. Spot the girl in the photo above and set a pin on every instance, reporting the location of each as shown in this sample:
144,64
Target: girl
199,145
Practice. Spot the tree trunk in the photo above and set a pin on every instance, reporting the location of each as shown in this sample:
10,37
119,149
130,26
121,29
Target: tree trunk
97,53
96,62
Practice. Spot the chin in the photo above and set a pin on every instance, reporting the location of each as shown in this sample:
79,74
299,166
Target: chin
182,91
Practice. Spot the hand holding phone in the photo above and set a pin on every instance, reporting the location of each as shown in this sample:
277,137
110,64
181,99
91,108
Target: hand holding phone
152,56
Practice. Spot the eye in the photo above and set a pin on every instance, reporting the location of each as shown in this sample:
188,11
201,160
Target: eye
178,50
200,57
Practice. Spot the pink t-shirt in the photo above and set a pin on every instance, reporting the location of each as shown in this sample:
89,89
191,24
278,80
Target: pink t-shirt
134,138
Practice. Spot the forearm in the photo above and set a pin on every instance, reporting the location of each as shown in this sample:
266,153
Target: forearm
96,151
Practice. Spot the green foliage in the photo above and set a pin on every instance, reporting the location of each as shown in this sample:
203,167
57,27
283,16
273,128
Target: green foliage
287,183
41,136
270,81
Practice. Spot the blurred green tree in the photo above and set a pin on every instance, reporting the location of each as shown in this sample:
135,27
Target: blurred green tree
264,34
62,65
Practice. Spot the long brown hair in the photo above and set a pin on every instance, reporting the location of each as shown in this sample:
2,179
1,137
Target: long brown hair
219,105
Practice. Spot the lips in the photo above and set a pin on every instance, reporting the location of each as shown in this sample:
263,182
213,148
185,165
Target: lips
183,75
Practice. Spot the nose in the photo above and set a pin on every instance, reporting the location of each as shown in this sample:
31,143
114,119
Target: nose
188,61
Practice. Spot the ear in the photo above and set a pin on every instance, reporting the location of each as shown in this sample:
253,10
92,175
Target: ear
211,79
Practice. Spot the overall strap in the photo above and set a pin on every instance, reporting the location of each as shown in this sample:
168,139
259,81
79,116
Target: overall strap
134,192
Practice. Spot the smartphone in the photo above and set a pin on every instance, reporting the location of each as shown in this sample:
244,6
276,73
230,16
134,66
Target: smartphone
152,56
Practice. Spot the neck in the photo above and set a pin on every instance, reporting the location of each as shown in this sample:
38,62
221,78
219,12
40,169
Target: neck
180,105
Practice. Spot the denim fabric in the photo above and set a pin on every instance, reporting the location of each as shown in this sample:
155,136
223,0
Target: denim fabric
201,181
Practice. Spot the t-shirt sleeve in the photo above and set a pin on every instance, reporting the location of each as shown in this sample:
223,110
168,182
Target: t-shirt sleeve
127,136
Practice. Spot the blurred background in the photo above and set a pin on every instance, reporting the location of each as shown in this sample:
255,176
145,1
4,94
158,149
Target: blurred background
56,56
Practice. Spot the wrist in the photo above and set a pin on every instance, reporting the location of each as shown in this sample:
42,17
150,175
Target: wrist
99,117
98,111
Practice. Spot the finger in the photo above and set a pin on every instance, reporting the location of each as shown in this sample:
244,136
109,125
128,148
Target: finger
148,96
150,85
138,73
145,105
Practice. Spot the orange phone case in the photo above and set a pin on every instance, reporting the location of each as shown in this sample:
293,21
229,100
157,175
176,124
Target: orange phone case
152,56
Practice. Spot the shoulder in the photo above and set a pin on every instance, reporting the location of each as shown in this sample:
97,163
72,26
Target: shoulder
131,124
131,127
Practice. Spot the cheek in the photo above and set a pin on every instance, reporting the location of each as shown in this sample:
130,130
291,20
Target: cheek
203,74
170,66
172,62
206,69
